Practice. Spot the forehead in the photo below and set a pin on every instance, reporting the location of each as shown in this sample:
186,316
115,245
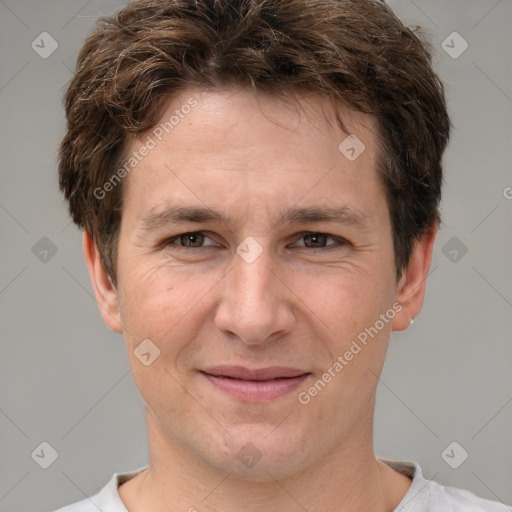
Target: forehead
226,109
227,143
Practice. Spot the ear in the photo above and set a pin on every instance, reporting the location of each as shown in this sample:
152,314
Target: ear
411,287
104,290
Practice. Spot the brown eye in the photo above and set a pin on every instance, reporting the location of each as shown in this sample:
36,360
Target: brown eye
191,239
315,240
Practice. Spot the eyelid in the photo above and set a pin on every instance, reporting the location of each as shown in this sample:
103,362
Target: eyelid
340,240
298,236
169,241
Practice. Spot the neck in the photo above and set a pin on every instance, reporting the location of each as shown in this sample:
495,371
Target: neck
348,479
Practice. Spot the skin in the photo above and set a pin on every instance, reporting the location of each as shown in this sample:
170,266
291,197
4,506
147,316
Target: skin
297,305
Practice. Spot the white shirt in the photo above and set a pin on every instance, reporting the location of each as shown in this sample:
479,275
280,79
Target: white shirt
423,495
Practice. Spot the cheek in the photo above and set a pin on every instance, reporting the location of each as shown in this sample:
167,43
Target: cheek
153,308
155,297
358,313
348,301
168,305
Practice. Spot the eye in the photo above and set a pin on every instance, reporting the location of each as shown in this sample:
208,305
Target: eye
315,240
193,239
196,239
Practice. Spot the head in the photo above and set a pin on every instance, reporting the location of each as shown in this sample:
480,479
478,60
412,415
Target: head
259,114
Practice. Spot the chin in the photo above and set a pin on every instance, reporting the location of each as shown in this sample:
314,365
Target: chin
260,454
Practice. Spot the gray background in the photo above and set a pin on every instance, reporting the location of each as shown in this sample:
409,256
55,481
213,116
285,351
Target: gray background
65,377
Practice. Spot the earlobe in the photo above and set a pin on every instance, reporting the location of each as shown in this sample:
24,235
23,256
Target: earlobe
104,290
411,287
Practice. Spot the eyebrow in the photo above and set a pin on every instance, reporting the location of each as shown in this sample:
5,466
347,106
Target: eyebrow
200,214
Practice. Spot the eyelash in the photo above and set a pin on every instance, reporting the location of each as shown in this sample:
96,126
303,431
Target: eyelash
340,241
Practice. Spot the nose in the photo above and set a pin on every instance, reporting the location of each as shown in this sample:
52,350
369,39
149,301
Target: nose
256,304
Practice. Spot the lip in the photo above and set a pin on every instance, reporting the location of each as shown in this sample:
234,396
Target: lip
241,372
255,384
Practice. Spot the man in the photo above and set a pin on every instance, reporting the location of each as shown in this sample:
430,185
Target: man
258,184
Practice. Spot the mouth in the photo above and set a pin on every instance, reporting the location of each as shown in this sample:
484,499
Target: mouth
255,385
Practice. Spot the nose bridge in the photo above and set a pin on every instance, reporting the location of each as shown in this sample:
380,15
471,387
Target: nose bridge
253,304
251,273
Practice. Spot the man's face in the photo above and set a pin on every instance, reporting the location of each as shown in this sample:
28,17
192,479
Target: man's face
255,291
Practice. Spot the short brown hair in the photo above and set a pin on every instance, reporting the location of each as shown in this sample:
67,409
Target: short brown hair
357,52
